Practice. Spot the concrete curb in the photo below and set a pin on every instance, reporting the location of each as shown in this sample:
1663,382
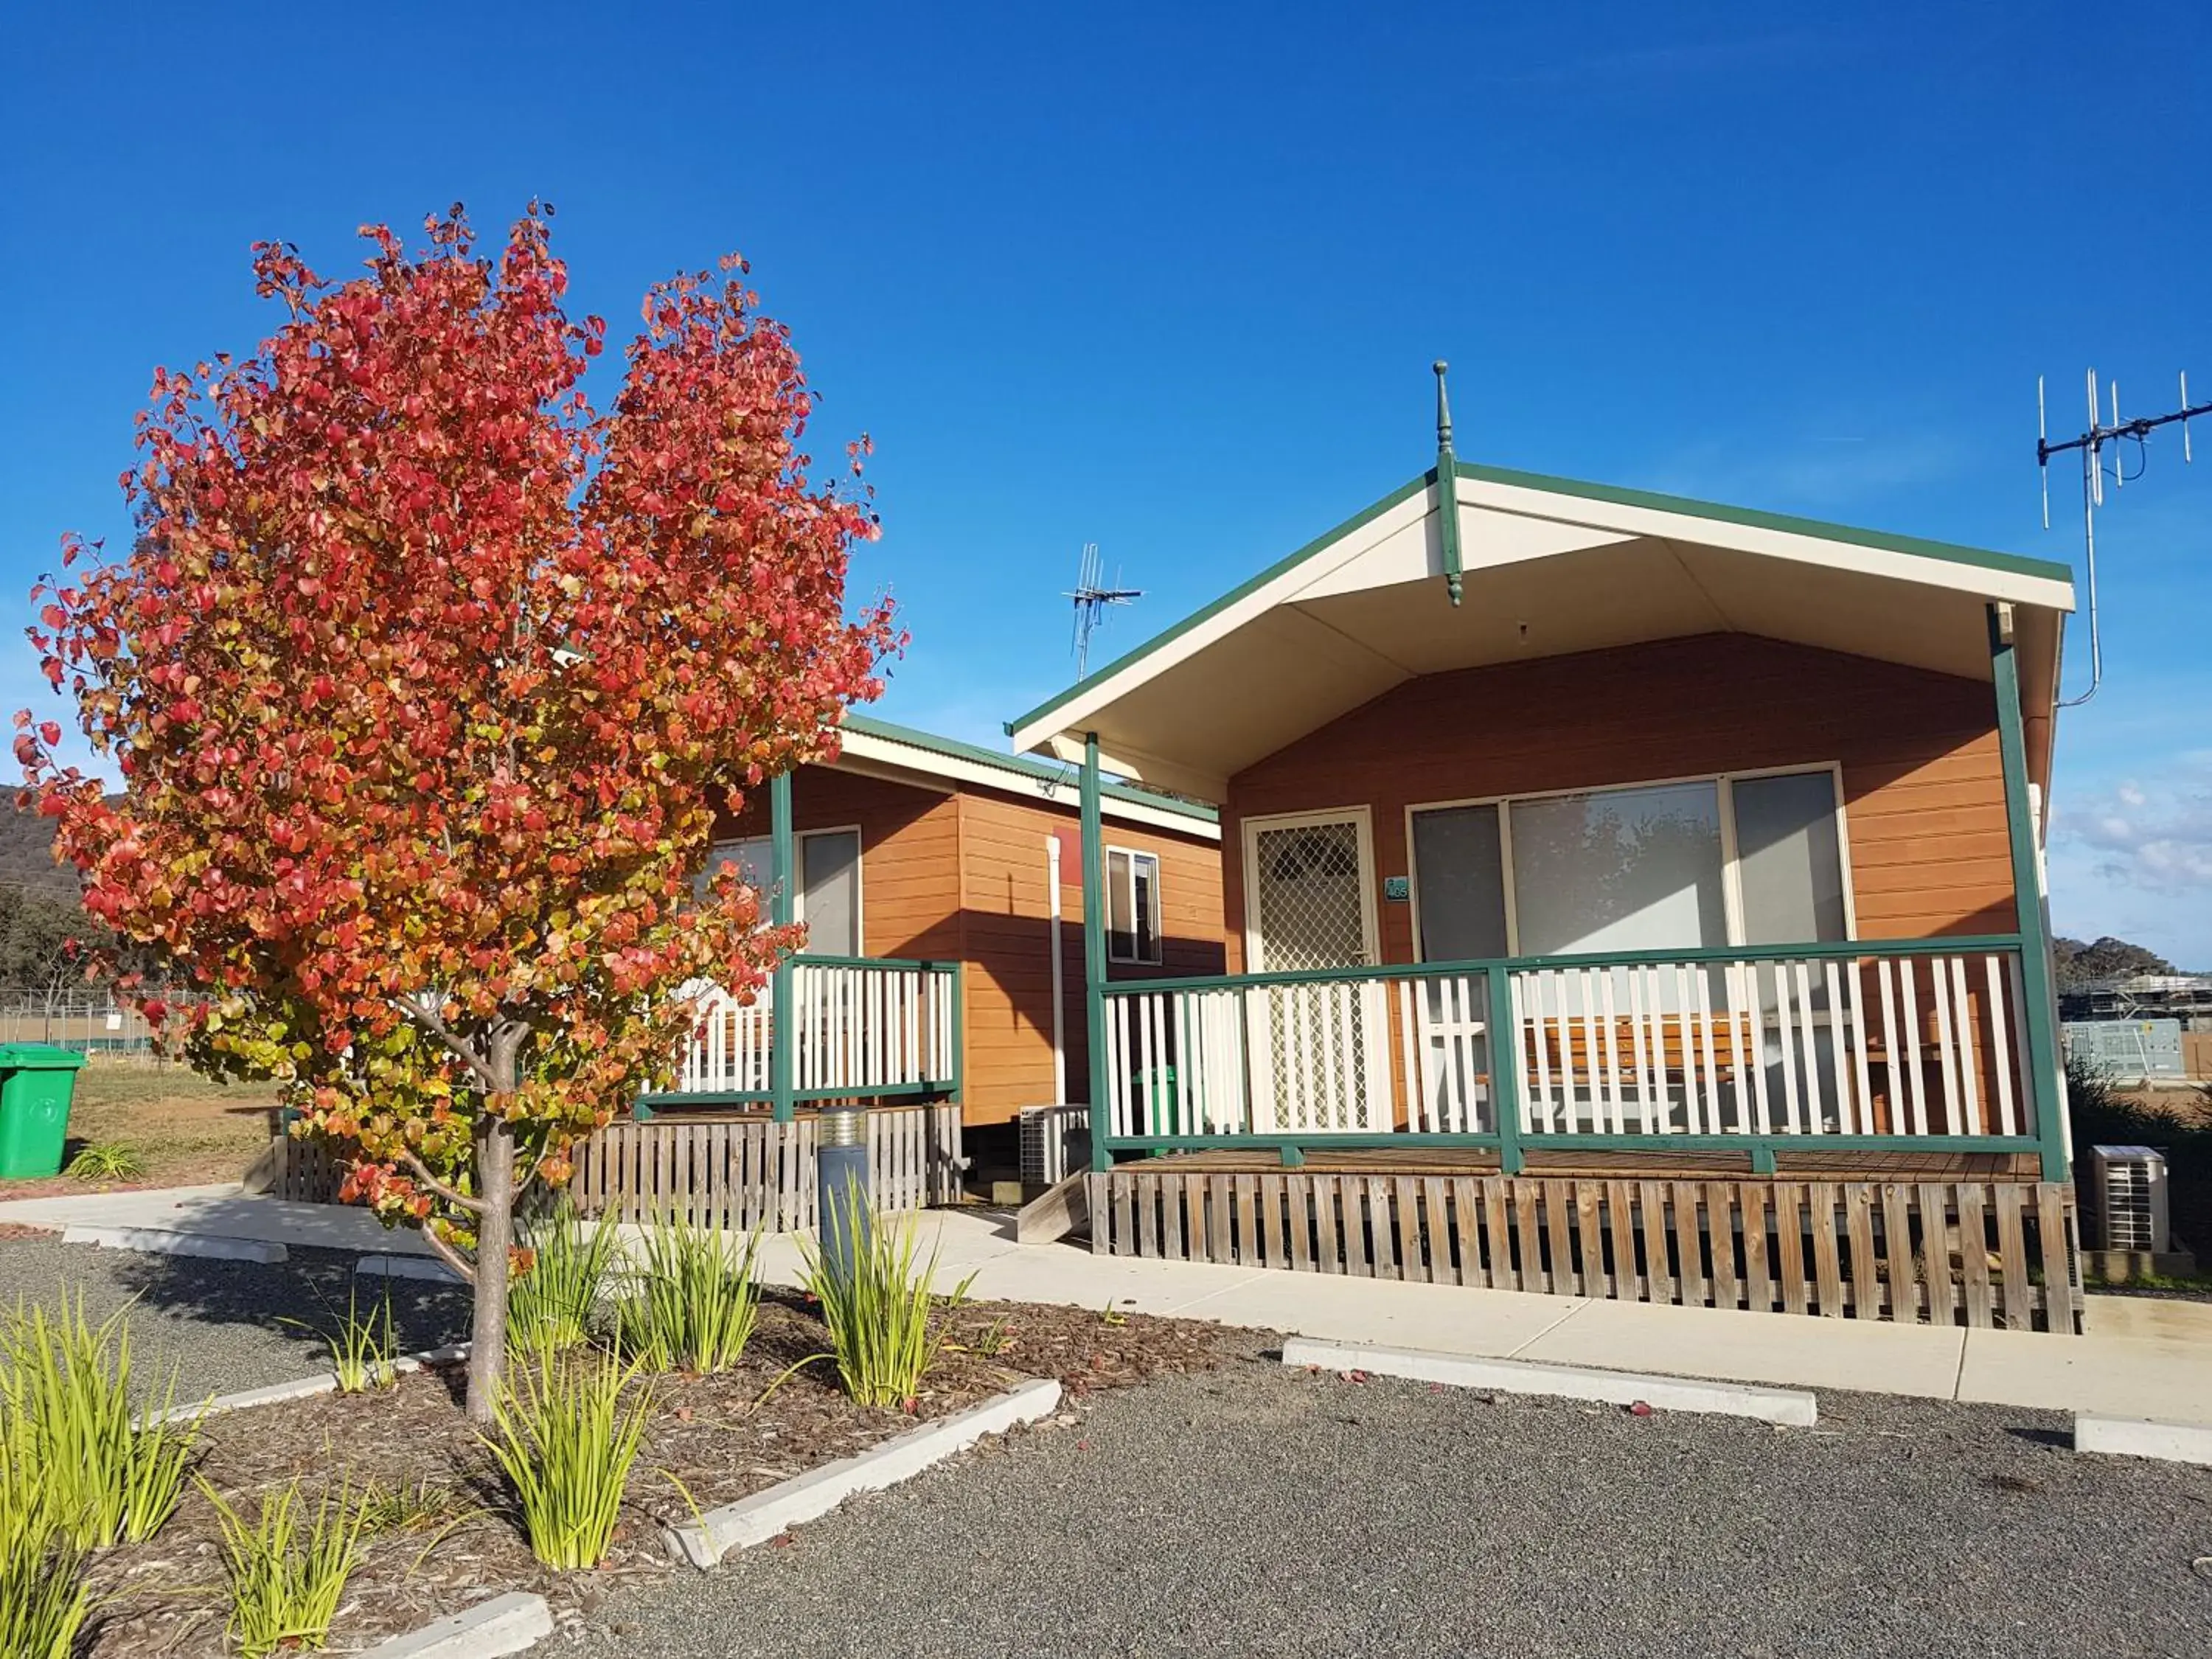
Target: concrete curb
810,1496
156,1241
1790,1407
506,1623
2144,1437
407,1267
307,1387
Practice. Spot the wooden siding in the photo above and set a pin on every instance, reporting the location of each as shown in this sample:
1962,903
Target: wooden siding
909,855
1006,916
960,875
1923,791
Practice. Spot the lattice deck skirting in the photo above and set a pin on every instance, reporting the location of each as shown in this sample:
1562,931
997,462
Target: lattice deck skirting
738,1172
1975,1253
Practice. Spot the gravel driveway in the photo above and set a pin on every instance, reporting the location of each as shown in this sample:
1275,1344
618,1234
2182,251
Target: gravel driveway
1258,1511
221,1323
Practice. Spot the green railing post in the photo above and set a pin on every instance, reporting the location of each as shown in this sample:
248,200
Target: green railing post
1094,951
2037,991
959,978
783,1026
1504,1067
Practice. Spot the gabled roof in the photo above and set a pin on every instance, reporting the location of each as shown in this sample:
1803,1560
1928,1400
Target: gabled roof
1551,566
868,738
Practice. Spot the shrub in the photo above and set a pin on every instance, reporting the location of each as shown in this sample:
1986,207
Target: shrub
286,1571
69,1413
879,1313
699,1303
549,1304
107,1160
566,1441
44,1598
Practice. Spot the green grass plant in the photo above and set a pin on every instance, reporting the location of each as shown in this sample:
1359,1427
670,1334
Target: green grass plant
43,1598
879,1313
70,1420
286,1569
362,1349
551,1305
566,1434
107,1160
698,1304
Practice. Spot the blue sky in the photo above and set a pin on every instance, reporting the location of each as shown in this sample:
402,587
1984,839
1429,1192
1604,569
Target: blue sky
1168,279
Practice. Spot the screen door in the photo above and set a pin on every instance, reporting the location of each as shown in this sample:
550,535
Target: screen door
1318,1059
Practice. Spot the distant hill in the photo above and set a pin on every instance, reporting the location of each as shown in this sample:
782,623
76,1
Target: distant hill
27,855
2106,958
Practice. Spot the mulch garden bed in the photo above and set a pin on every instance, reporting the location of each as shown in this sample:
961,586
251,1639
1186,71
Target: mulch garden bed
722,1437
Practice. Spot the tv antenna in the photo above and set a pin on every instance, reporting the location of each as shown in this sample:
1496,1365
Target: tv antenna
1092,597
2101,431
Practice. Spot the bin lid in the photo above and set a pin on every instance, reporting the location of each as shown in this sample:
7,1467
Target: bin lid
37,1057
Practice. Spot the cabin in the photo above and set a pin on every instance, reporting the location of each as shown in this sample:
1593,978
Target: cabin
942,983
1626,896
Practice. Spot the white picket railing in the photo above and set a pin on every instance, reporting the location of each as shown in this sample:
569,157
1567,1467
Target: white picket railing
856,1026
1887,1041
1882,1044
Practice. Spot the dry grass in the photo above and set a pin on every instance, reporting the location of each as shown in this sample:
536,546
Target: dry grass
185,1129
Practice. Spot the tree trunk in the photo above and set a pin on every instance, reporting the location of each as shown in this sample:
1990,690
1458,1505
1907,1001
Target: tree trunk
495,1151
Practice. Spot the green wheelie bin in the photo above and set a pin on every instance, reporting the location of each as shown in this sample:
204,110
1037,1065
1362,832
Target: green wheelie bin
36,1083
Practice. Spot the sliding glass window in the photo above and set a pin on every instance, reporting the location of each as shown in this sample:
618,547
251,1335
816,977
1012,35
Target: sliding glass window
1754,860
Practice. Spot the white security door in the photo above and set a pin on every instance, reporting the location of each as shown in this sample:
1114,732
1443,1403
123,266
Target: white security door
1319,1061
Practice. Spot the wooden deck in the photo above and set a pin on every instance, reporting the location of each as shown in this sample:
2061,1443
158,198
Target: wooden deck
1938,1245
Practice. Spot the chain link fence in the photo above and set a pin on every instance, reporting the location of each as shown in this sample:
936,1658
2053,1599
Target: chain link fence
79,1017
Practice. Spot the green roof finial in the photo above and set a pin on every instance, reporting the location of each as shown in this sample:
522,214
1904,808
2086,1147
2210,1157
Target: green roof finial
1447,486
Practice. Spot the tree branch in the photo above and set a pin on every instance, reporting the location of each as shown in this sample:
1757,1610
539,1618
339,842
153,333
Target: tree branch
452,1195
447,1253
424,1013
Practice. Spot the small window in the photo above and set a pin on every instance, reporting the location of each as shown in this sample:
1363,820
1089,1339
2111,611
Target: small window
1132,907
755,857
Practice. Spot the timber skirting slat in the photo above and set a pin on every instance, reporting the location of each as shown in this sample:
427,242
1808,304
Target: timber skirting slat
1957,1252
735,1173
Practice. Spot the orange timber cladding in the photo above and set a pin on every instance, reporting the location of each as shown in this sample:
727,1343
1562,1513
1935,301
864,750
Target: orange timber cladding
958,873
1922,780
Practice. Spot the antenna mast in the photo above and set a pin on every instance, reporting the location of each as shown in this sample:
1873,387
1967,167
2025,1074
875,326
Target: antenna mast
1092,597
2091,443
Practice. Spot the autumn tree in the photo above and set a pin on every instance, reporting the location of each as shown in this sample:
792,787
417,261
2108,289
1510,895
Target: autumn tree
423,679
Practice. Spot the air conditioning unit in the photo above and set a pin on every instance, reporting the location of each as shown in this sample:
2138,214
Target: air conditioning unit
1056,1140
2127,1200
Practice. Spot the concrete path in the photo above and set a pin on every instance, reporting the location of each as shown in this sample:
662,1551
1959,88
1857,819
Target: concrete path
2142,1358
224,1212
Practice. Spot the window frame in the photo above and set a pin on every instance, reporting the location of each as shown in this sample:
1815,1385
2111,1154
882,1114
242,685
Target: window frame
1731,887
798,873
1159,957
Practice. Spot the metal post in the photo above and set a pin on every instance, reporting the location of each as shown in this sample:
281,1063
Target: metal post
783,1023
1504,1069
1094,951
841,1198
1059,994
2037,991
1447,489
